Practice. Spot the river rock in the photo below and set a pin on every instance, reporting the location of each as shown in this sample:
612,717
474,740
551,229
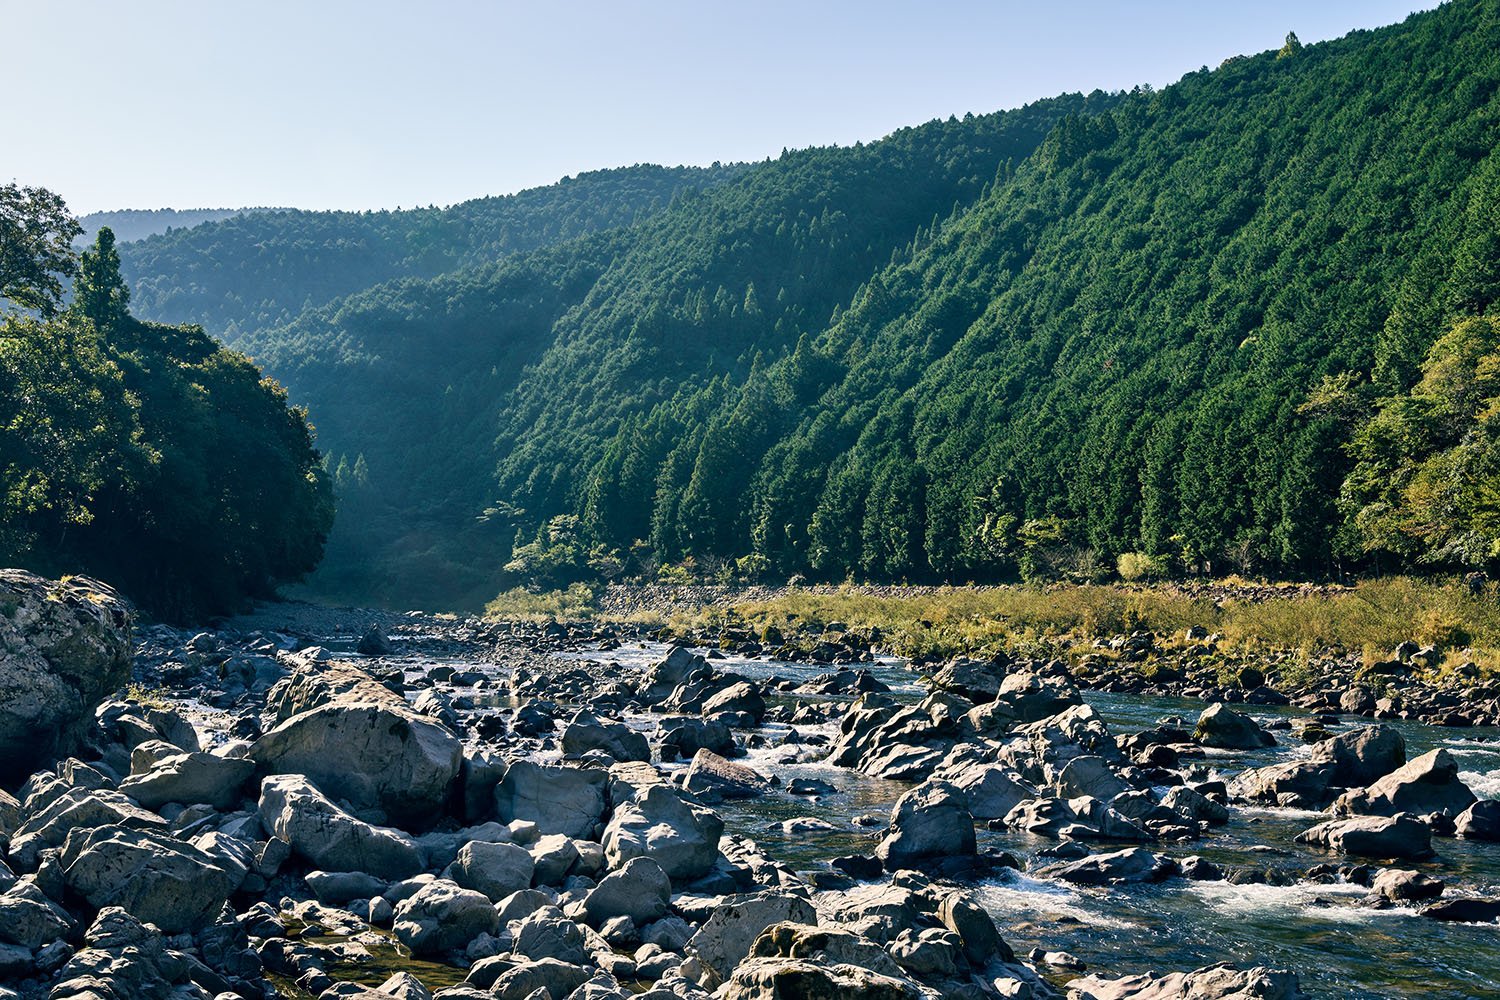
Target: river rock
1428,784
295,811
1362,756
496,870
566,800
1373,836
726,936
1222,727
1033,697
988,790
1191,805
977,680
928,822
29,919
191,778
976,930
157,878
800,979
1301,784
825,944
1134,864
76,809
553,856
710,772
443,916
741,697
1464,910
639,891
546,978
1088,775
1217,982
548,934
374,642
371,756
1402,886
64,647
587,732
1481,821
681,837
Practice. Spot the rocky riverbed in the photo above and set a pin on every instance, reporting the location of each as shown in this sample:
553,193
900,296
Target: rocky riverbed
330,803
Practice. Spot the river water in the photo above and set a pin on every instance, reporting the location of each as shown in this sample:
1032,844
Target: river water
1339,947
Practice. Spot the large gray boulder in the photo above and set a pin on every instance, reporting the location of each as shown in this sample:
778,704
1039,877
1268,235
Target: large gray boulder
1134,864
160,880
1217,982
586,732
1428,784
828,945
497,870
76,809
726,936
659,824
928,822
295,811
1362,756
1221,727
640,890
191,778
29,919
1481,821
1373,836
567,800
442,916
373,756
64,647
710,772
801,979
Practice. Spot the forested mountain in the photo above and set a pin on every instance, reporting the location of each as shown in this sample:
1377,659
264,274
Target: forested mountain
1246,321
130,224
263,268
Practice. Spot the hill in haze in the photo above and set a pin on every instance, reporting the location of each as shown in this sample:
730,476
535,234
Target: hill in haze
1245,321
138,223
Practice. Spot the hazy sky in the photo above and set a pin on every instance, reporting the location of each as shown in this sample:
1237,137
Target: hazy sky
371,104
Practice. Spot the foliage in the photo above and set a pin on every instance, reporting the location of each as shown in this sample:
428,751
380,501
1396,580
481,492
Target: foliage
36,237
151,457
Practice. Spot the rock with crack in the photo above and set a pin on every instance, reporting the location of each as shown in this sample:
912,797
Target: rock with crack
160,880
710,772
659,824
1401,836
1428,784
801,979
586,732
927,822
189,778
727,935
1217,982
639,891
1134,864
443,916
566,800
295,811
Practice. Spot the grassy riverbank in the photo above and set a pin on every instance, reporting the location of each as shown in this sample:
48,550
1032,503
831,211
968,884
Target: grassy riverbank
1371,617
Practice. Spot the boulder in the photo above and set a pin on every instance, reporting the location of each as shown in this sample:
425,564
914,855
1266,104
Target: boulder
372,756
1193,806
1134,864
374,642
553,856
1464,910
1088,775
711,772
1373,836
64,647
1481,821
555,980
548,934
1222,727
639,891
726,936
191,778
566,800
927,822
295,811
29,919
742,697
586,732
681,837
442,916
158,879
977,680
800,979
1426,785
76,809
1362,756
826,944
1403,886
1034,698
976,930
1217,982
496,870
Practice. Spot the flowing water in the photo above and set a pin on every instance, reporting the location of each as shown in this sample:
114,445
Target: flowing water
1339,947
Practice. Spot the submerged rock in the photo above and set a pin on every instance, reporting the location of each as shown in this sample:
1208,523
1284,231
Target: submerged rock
1217,982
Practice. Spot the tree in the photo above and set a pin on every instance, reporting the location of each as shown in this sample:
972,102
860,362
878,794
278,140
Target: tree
36,247
101,294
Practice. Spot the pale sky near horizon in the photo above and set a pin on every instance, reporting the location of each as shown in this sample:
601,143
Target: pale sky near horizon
378,104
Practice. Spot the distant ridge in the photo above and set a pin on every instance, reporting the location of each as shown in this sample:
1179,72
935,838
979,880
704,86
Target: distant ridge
130,224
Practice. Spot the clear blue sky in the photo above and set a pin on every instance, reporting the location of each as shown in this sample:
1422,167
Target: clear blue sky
341,104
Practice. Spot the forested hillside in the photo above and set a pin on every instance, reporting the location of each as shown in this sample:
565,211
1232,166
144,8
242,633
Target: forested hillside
131,224
1244,322
262,268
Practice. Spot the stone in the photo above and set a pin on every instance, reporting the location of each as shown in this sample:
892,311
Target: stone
295,811
77,809
1134,864
67,646
1088,775
335,888
1464,910
548,934
1362,756
927,822
556,981
553,857
374,642
977,680
443,916
681,837
1428,784
976,930
726,936
825,944
29,919
587,732
1404,886
639,891
404,986
496,870
1191,805
930,952
1373,836
370,755
1217,982
1481,821
190,778
565,800
711,772
741,697
800,979
160,880
1222,727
